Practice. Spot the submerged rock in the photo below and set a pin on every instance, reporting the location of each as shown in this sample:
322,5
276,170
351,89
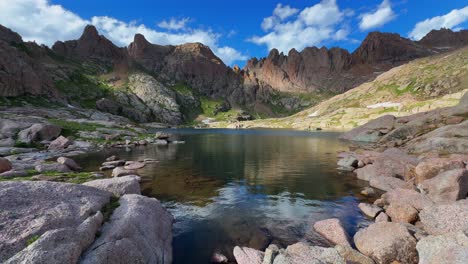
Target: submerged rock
369,209
121,171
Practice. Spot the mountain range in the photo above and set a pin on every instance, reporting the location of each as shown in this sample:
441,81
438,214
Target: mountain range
175,84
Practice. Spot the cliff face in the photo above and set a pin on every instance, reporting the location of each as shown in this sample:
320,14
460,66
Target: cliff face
444,39
21,74
334,69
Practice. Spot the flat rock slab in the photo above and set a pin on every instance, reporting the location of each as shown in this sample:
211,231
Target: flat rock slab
301,253
33,208
139,231
451,248
118,186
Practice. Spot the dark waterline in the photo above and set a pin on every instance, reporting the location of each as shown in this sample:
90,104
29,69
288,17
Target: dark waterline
246,187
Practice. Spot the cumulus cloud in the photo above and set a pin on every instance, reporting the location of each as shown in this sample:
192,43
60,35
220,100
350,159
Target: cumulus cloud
300,29
382,15
284,12
449,20
43,22
174,24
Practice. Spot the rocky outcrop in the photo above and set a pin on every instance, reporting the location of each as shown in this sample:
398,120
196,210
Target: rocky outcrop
139,231
91,46
20,73
159,99
43,206
445,39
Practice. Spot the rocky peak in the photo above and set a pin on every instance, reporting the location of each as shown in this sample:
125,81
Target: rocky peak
9,36
90,45
380,47
445,39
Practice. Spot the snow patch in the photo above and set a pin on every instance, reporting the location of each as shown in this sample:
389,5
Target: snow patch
384,104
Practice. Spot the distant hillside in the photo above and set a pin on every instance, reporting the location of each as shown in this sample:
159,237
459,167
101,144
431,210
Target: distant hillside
420,85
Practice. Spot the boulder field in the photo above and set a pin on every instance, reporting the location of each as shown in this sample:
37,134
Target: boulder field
420,162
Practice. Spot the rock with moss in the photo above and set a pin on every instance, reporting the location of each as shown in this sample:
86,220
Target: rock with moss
43,206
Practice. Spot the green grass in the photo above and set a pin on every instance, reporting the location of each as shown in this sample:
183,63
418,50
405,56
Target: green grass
85,89
28,100
32,239
22,47
182,89
70,128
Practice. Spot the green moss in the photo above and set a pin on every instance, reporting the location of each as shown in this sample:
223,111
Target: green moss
28,100
22,47
72,177
32,239
19,144
109,208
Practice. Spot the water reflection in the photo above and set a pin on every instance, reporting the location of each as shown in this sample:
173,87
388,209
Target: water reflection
246,187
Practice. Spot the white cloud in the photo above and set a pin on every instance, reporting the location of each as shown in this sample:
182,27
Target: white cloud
309,27
284,12
449,20
40,21
174,24
382,15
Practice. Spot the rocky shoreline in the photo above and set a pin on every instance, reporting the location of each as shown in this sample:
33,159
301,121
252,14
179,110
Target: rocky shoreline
421,164
63,215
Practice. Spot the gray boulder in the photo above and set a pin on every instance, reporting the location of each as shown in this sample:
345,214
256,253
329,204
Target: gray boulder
39,132
33,208
139,231
60,143
118,186
60,246
7,142
69,163
52,167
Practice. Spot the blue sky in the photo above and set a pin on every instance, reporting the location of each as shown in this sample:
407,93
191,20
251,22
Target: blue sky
235,30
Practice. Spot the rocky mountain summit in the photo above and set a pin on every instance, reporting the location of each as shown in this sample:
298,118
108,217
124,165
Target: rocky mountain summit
337,70
92,72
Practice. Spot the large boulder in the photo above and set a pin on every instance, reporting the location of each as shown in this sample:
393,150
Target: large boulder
401,212
448,186
407,196
371,131
63,245
429,168
333,231
39,132
245,255
52,167
118,186
369,209
447,139
301,252
139,231
444,218
5,165
389,183
32,208
450,248
386,242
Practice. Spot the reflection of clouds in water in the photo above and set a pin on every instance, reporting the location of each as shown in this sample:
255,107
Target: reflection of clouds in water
287,216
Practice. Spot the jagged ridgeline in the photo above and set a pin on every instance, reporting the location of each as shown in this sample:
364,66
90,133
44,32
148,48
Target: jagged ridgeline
187,83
